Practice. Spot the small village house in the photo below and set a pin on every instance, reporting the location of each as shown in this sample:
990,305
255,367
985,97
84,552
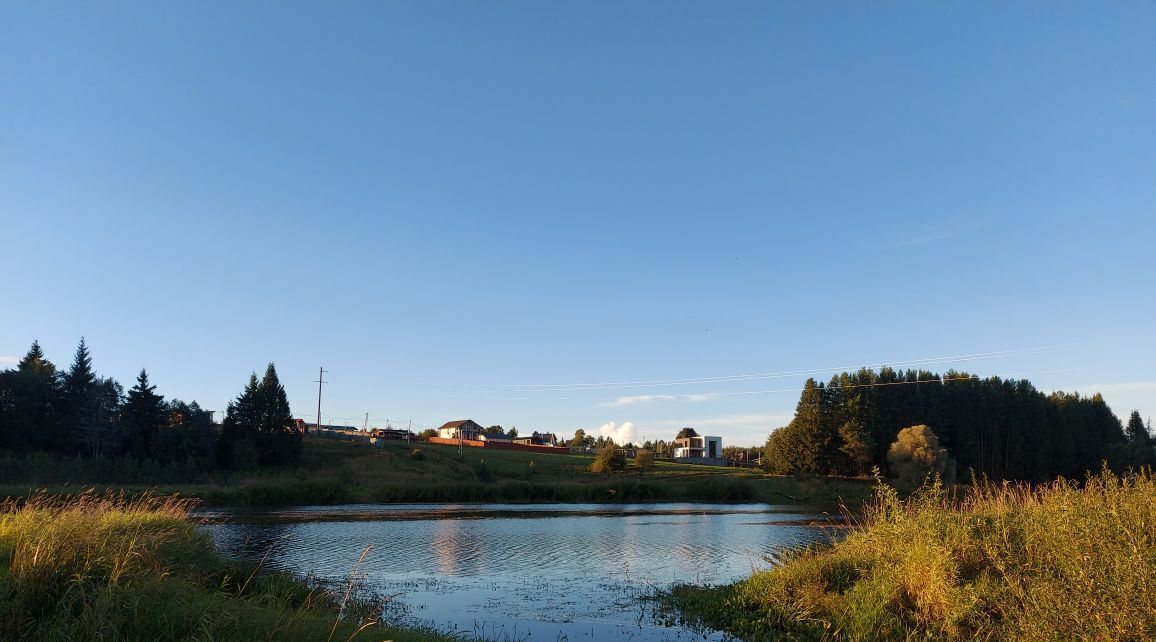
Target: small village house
538,439
467,429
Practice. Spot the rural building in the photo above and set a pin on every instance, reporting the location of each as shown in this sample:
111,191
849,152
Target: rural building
467,429
391,433
536,439
304,426
698,449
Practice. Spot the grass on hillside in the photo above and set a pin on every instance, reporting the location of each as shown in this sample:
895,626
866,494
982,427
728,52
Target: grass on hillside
89,567
1062,561
335,471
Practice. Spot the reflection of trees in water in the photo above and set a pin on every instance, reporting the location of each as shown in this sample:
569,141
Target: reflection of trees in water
458,547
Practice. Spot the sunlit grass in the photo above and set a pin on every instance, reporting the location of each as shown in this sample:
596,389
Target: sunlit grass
1061,561
93,567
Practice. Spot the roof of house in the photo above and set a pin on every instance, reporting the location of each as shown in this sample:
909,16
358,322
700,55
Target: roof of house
459,423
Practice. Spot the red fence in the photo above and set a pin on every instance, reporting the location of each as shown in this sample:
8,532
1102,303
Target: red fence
501,445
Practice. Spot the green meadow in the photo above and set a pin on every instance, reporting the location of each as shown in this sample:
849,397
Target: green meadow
334,471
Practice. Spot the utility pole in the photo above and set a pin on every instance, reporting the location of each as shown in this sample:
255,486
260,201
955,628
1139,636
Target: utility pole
409,429
320,380
365,426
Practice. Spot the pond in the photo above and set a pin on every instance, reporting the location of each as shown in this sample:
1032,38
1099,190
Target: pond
522,572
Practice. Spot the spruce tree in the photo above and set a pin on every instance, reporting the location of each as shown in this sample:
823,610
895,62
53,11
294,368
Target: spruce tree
279,443
35,363
28,403
80,431
1135,431
239,426
142,417
811,431
856,446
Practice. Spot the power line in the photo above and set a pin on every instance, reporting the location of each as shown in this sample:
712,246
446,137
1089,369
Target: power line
320,381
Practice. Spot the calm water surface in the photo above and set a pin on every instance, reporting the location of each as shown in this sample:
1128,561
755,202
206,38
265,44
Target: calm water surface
522,572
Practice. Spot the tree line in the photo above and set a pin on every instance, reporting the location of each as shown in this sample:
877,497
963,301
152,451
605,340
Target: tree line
999,428
76,412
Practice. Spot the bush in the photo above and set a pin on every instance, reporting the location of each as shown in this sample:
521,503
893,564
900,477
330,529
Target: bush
917,453
644,459
609,460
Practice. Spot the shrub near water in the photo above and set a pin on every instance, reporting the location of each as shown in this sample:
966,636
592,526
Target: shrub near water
1058,562
109,568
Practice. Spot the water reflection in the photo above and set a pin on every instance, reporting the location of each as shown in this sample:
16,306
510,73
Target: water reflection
522,572
459,547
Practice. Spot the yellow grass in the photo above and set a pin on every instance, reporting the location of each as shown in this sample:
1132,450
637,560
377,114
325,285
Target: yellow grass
1061,561
98,567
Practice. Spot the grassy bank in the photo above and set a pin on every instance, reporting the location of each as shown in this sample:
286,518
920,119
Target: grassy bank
99,568
1057,562
336,471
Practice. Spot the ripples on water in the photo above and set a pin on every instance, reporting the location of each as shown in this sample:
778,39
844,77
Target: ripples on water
524,572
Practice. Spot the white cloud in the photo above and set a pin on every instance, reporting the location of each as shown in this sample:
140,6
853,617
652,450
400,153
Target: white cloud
9,360
621,434
636,399
705,397
640,399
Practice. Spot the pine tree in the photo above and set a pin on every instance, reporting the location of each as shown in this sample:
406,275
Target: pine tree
278,442
35,363
142,417
28,403
856,447
810,429
81,425
1135,431
239,429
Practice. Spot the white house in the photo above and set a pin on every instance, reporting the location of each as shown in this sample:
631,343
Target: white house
699,447
461,429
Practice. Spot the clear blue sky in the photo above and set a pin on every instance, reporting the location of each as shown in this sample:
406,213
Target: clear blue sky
436,199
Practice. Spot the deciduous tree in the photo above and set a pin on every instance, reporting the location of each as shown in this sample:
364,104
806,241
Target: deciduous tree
916,453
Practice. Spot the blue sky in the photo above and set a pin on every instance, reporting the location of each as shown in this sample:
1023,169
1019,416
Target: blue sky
466,209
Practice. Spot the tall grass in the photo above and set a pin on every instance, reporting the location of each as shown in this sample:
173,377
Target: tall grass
92,567
1062,561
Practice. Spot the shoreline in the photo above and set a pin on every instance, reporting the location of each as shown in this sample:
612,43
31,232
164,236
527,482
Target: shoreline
90,566
991,561
334,472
